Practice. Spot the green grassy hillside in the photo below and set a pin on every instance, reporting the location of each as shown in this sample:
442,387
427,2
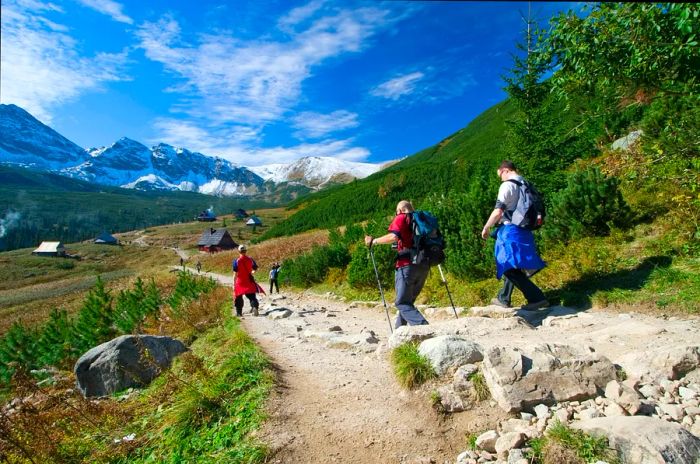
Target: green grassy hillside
52,207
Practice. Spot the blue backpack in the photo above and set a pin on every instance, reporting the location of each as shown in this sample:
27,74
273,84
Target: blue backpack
530,211
428,243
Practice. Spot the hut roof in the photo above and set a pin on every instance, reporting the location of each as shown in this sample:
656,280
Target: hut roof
212,237
49,247
105,237
254,221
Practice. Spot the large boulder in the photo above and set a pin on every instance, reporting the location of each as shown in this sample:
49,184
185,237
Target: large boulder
520,379
645,440
669,362
126,361
409,334
449,351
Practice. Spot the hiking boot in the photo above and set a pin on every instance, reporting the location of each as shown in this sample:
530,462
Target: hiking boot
497,302
535,306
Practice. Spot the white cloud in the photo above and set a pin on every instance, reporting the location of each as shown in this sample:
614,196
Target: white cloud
254,82
109,8
299,14
234,144
311,124
395,88
41,66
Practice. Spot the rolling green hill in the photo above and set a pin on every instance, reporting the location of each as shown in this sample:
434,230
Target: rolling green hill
46,206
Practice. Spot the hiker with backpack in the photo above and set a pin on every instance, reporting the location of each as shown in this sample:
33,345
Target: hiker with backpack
411,273
519,210
274,272
243,282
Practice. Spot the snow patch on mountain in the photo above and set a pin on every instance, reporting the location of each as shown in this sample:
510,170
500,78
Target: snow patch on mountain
315,171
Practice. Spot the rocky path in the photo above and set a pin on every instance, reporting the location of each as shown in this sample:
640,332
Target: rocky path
338,401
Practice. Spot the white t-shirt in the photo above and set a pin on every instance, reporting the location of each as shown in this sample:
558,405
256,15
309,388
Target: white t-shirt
507,200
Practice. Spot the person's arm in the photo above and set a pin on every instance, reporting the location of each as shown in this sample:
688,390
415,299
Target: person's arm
492,221
383,240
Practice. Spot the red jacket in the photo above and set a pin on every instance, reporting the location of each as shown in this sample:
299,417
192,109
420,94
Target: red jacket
243,282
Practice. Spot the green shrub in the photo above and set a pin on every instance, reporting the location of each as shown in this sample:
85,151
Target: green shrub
482,390
17,346
561,441
410,367
589,206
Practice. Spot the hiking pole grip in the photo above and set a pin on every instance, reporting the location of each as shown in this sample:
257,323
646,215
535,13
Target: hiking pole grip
444,281
381,292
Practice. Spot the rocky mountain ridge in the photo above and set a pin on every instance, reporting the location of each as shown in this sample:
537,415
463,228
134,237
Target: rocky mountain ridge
127,163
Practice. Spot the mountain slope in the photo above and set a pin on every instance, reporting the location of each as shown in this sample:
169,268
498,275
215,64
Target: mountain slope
449,165
27,141
47,206
316,171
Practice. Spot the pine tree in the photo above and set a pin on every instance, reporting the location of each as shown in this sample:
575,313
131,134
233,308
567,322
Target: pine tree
54,341
17,346
94,323
531,141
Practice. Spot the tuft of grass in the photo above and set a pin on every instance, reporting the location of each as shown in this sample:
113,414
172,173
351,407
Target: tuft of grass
482,390
410,367
471,441
564,444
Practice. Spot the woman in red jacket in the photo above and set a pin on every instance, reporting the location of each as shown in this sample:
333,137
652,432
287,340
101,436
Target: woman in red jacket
243,283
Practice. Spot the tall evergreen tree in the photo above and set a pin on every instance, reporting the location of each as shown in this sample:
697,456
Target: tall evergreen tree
54,341
94,323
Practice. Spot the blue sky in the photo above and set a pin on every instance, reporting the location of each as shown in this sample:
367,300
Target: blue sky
262,81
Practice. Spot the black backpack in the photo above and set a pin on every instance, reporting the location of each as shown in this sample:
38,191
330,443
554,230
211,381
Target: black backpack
428,243
529,212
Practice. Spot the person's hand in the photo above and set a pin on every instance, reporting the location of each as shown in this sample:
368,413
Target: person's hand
485,233
368,240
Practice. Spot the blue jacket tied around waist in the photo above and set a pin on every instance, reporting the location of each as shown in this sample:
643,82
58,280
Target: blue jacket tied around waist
515,249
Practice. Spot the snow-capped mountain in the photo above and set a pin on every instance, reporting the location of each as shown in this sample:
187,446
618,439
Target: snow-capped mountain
315,171
26,141
129,164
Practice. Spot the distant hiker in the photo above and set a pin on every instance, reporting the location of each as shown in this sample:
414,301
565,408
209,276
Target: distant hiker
199,267
182,263
274,272
515,250
243,282
409,278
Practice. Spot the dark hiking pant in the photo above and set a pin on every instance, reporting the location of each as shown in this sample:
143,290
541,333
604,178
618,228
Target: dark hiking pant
277,286
409,281
518,278
238,303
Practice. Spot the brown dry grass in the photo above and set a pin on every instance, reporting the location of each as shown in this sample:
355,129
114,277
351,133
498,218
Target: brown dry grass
267,252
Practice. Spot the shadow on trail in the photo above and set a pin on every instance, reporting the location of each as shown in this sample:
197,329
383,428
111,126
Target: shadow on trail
576,296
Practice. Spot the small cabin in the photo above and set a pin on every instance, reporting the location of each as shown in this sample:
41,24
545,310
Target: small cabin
254,221
240,213
50,249
106,239
215,240
206,216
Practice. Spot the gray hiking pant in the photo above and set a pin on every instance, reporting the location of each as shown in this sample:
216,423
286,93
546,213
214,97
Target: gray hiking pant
409,281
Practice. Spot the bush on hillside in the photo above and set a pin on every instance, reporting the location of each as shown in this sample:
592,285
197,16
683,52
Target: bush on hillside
461,217
589,206
360,270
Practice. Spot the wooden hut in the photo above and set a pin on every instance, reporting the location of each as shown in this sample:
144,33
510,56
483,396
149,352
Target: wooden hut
50,249
215,240
106,239
206,216
254,221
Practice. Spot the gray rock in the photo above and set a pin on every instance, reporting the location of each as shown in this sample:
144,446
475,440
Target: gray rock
447,351
642,440
673,410
450,400
410,333
651,391
672,362
126,361
461,381
687,393
624,396
547,374
508,441
624,143
516,456
487,441
562,415
519,426
590,413
279,313
542,411
614,410
335,328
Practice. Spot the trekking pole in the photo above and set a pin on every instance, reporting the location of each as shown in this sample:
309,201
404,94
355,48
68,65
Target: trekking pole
381,292
448,291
